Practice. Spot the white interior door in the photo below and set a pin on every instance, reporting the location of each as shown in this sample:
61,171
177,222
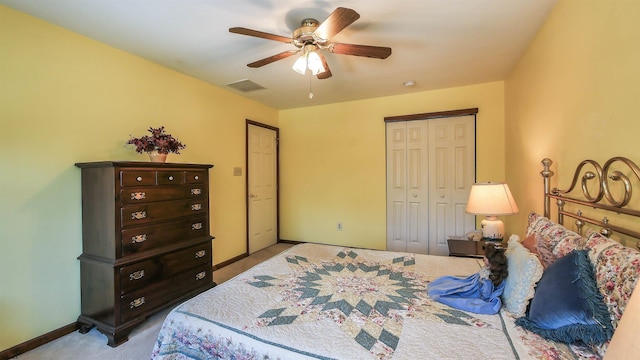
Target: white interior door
452,172
262,187
407,186
430,169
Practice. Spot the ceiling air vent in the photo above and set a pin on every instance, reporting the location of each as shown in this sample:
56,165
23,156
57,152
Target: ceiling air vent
245,85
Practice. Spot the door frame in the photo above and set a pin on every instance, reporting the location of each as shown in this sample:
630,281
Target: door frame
431,116
246,192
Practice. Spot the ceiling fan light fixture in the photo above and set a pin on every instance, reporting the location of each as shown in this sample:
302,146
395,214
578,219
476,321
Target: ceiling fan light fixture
300,66
314,63
309,59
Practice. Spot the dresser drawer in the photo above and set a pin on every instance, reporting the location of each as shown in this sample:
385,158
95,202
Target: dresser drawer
147,272
149,237
170,177
195,177
139,195
147,299
137,178
134,215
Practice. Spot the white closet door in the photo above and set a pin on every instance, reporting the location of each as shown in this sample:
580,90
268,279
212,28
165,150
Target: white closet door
407,186
430,169
452,172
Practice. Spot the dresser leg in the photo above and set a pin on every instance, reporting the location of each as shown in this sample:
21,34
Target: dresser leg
84,326
119,335
116,339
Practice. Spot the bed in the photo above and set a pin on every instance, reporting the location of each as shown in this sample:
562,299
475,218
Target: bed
330,302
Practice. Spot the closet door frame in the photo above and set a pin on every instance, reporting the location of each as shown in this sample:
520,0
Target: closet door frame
393,230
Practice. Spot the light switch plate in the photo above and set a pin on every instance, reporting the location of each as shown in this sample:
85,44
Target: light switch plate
237,171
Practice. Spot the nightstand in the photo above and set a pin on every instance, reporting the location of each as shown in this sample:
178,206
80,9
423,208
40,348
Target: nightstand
462,246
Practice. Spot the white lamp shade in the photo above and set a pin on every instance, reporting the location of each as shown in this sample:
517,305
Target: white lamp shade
491,199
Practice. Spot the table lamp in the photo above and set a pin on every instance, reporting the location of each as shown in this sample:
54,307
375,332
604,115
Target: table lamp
491,199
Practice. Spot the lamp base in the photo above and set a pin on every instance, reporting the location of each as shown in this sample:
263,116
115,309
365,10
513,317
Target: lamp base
492,228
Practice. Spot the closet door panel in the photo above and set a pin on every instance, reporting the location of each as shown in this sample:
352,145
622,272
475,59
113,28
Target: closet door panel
418,186
396,187
453,166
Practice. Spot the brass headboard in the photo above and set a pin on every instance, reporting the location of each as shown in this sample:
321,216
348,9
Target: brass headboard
607,188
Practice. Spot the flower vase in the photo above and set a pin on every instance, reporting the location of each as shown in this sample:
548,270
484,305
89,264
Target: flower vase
157,157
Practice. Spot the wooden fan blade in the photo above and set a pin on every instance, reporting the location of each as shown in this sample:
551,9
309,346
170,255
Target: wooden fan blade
260,34
339,19
377,52
270,59
327,72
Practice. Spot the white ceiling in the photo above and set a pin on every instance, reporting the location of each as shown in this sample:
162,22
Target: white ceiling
436,43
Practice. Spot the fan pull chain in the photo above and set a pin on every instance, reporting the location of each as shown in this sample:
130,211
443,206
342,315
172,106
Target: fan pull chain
310,92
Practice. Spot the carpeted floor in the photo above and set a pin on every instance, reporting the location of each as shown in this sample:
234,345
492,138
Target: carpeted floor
93,345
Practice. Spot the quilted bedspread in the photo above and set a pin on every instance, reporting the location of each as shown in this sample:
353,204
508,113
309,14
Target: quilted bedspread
327,302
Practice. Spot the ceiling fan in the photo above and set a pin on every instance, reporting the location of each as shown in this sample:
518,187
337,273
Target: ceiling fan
312,36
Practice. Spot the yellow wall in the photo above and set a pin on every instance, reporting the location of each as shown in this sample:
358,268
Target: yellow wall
66,99
573,96
333,161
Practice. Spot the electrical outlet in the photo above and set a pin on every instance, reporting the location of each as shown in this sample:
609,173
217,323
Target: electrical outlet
339,226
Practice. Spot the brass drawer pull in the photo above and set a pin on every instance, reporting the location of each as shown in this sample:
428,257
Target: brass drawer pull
138,215
137,302
196,207
199,276
136,275
196,191
139,178
200,254
139,239
138,195
196,226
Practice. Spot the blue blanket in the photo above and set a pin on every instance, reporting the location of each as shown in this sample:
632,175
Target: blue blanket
474,293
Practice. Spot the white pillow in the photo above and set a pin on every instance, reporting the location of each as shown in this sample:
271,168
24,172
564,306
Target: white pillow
525,270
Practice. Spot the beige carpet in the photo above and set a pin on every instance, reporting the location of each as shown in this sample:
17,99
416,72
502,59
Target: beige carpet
93,345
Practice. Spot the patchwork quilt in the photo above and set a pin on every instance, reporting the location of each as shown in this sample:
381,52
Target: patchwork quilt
327,302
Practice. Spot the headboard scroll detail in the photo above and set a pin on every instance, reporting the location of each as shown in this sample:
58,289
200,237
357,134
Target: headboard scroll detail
598,178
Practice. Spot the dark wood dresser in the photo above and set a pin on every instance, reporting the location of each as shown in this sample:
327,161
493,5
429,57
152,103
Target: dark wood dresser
145,241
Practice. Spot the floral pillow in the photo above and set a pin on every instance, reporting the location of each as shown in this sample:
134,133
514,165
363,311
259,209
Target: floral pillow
617,269
524,272
568,243
595,238
555,238
533,220
544,253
